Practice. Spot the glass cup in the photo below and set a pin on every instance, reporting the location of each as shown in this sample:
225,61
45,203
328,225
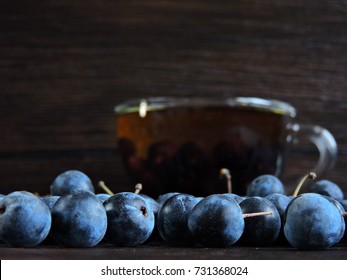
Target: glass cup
180,144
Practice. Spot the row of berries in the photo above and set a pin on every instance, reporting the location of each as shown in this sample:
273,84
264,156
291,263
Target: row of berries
74,216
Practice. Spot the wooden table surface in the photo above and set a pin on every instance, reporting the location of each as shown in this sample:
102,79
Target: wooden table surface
64,65
162,251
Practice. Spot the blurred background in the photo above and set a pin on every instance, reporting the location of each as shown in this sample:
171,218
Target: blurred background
64,65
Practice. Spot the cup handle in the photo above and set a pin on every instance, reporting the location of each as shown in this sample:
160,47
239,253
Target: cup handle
322,139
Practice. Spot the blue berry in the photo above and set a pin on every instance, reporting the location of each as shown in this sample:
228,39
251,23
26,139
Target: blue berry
234,196
163,197
130,219
78,220
50,200
216,221
151,202
264,185
313,222
262,230
71,181
280,201
335,202
172,220
328,188
343,203
25,220
103,196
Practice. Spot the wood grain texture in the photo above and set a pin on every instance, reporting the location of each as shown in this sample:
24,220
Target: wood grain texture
162,251
65,64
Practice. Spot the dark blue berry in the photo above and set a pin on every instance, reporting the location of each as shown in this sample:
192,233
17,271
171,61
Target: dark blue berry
216,221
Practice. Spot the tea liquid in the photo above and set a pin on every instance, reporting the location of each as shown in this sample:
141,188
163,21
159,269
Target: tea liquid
183,149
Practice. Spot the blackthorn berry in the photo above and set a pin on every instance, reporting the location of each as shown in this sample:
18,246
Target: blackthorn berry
313,222
70,181
24,218
78,220
172,220
262,230
130,219
327,188
216,221
281,202
50,200
264,185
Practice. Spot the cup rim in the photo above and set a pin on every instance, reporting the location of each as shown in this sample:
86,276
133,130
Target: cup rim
163,102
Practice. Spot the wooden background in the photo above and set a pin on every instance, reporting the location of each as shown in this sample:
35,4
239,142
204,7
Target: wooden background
64,65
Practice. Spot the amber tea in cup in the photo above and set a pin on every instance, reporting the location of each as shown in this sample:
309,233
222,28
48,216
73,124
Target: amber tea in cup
181,144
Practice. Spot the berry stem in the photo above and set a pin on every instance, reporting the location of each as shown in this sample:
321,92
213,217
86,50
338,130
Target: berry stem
138,188
344,214
224,172
105,188
310,175
248,215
